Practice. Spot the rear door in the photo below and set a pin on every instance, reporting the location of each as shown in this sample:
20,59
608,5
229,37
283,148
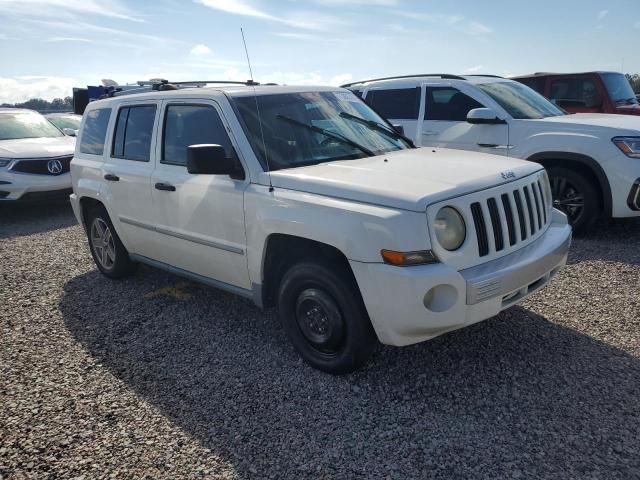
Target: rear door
400,106
445,121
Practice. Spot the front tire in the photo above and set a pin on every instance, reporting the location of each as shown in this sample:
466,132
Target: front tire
108,252
322,312
576,196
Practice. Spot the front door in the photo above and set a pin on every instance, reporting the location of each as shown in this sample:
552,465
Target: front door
199,217
445,123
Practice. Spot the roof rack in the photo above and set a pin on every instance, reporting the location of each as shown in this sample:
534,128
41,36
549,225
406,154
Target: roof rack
487,75
446,76
161,84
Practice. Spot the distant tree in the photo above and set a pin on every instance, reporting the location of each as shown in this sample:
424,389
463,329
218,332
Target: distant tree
56,105
634,80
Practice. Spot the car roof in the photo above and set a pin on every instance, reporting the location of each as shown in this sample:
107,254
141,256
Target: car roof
561,74
413,80
16,110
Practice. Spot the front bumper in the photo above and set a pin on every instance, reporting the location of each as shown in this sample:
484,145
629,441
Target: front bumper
413,304
18,186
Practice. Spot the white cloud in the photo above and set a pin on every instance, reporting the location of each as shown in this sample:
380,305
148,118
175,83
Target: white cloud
200,49
340,79
384,3
475,69
602,14
69,39
36,8
21,89
237,7
457,22
476,28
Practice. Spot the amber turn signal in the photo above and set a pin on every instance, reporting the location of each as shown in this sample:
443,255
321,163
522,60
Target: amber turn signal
404,259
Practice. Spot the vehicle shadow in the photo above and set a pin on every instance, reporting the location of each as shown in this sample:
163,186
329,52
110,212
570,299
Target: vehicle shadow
616,240
18,220
525,395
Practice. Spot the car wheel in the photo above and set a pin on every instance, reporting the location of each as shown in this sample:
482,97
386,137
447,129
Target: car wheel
111,258
576,196
322,312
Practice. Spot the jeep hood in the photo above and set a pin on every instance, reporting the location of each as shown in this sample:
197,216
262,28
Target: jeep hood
37,147
405,179
583,121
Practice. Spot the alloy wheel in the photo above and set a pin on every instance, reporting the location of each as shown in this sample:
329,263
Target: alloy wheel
103,244
567,198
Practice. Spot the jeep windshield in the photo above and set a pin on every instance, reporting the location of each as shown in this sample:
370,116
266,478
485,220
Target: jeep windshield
520,101
14,126
308,128
619,89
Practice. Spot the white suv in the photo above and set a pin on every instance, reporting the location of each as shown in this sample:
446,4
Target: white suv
305,198
593,159
34,157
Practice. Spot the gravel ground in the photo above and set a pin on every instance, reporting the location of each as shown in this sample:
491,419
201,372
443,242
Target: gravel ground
155,377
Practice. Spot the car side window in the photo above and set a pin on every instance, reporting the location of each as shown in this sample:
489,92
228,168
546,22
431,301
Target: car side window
575,92
186,125
134,128
94,131
399,103
448,104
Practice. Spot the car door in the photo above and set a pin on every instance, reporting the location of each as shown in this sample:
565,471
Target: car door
199,217
444,122
400,106
127,174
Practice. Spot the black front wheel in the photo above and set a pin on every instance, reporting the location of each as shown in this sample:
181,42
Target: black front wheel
322,312
575,195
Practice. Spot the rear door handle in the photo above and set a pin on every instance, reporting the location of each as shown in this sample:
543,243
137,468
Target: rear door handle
111,177
165,187
429,133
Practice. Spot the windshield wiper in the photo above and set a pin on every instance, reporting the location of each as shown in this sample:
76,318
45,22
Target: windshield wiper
377,127
327,133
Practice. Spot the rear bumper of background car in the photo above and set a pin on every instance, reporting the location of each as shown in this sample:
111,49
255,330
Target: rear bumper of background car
413,304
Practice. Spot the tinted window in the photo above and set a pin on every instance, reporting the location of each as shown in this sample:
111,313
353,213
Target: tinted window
401,103
619,88
94,131
575,92
134,128
447,103
537,83
186,125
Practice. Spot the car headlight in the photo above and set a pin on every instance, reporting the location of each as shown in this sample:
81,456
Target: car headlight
450,228
4,162
630,146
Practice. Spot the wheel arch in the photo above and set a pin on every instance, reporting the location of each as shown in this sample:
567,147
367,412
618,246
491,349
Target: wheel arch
86,204
584,163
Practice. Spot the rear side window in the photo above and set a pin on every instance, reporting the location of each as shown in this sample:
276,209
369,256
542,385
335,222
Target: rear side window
575,92
401,103
134,127
94,131
448,104
186,125
537,83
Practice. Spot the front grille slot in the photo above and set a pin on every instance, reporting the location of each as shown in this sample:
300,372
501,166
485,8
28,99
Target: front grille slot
39,166
544,204
527,197
523,225
495,222
537,204
481,229
508,213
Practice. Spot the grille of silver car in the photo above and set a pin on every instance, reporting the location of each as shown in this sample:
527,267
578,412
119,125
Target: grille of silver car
39,166
503,221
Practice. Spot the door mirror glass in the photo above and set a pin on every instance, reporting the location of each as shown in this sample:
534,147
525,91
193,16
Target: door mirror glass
399,129
484,116
70,132
210,159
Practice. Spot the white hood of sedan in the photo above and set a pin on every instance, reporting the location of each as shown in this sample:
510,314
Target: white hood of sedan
405,179
37,147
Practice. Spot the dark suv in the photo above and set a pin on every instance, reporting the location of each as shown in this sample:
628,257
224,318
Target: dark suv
589,92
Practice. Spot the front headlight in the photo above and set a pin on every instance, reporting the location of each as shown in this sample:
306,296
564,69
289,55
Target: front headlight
630,146
4,162
450,228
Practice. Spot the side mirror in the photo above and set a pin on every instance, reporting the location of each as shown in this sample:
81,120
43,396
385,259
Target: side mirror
211,159
483,116
399,129
70,132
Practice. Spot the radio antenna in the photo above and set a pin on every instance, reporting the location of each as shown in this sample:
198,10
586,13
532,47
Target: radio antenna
255,97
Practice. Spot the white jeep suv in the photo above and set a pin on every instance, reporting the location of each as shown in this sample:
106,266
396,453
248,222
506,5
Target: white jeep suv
593,159
304,198
34,157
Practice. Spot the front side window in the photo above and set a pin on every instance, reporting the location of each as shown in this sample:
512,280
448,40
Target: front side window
520,101
306,128
575,92
398,104
134,128
448,104
186,125
94,131
18,125
619,88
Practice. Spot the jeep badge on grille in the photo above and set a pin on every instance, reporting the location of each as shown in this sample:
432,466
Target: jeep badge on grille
508,174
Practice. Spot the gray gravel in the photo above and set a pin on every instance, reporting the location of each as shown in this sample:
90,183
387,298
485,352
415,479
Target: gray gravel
156,377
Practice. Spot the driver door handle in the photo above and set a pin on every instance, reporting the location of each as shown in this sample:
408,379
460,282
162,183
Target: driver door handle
429,133
111,177
167,187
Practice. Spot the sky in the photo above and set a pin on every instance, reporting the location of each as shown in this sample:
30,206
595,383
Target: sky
47,47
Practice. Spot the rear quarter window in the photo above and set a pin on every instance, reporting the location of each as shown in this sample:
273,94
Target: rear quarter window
94,131
397,104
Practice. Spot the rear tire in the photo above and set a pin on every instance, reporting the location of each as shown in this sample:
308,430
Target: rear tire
323,313
576,196
108,252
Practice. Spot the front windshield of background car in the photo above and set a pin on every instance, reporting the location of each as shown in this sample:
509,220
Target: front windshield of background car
26,125
520,101
65,122
619,88
289,142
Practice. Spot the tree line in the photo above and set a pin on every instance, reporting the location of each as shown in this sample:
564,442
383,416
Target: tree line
634,80
44,106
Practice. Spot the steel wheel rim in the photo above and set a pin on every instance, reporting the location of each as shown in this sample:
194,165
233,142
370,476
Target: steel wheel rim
568,198
320,320
103,244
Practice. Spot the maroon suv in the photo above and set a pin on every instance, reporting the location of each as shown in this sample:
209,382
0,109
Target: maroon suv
589,92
